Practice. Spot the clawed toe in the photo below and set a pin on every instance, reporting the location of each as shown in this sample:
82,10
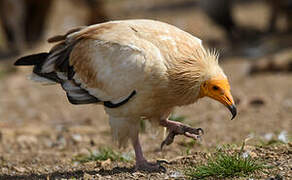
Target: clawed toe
168,140
190,132
163,161
194,133
150,167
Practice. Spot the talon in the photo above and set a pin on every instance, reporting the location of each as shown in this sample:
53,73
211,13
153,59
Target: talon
177,128
200,130
150,167
168,140
196,131
162,169
162,144
199,138
161,161
193,136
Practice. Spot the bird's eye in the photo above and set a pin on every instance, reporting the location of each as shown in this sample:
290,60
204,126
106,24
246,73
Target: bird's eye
215,88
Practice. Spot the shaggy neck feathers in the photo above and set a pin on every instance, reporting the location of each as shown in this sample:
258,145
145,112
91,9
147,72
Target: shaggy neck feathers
186,75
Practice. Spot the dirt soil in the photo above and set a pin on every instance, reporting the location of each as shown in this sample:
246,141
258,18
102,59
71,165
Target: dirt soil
41,132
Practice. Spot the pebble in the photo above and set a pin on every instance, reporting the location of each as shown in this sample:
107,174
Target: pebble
87,176
76,137
20,169
268,136
176,174
283,137
106,163
27,140
91,164
257,102
139,174
4,170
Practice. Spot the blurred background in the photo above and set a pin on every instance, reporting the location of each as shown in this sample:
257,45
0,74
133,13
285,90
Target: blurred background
254,38
247,27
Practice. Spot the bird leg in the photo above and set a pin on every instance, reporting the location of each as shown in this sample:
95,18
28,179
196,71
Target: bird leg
177,128
141,163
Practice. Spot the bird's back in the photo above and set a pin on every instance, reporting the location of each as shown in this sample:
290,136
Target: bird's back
148,36
109,62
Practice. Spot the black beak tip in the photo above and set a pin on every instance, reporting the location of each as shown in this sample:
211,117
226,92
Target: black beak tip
233,110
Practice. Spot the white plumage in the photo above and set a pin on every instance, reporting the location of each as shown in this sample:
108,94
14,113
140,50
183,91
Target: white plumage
136,68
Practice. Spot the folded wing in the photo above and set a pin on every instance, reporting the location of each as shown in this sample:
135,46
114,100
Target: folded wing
88,69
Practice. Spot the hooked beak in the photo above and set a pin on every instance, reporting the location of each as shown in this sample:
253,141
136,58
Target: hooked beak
232,109
227,99
219,90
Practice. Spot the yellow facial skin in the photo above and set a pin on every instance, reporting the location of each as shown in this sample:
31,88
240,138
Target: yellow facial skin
219,89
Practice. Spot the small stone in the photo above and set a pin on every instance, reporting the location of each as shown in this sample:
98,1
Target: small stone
283,137
76,137
257,102
268,136
245,155
20,169
91,164
87,176
106,163
61,141
253,154
4,170
138,174
176,174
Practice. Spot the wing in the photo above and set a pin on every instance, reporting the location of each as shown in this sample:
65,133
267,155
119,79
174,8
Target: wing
89,70
107,70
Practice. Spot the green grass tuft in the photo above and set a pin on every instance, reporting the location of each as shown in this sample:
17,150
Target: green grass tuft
102,155
224,164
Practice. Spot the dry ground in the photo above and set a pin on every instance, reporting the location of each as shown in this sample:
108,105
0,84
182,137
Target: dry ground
40,132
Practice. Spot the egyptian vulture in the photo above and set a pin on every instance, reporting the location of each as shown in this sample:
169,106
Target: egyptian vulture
137,69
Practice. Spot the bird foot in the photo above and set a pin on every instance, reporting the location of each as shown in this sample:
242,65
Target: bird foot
177,128
150,167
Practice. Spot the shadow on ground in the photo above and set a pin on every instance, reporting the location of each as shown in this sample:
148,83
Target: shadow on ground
73,174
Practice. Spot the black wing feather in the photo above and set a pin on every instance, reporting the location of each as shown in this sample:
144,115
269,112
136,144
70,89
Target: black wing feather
59,56
34,59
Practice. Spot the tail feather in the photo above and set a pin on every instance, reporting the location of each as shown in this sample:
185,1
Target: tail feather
54,67
34,59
